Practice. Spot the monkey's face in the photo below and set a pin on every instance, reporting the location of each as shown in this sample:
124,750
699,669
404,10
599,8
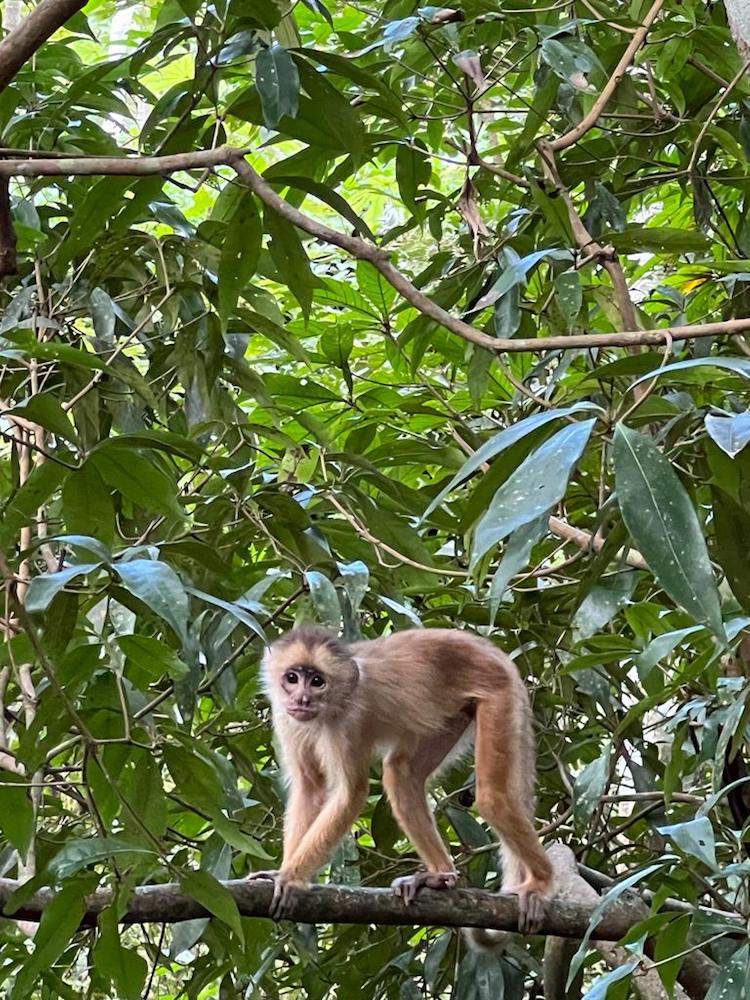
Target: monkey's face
305,689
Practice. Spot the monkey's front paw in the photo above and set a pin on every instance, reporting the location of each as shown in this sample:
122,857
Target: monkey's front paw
284,887
407,886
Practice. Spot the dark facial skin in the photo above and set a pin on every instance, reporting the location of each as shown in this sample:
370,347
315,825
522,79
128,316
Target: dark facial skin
305,690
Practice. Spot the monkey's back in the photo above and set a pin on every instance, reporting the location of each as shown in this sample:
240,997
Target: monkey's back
436,673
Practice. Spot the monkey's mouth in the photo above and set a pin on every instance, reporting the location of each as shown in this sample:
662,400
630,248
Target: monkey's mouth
303,713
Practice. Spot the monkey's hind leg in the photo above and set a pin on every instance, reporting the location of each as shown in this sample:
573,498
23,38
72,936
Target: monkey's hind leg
405,774
505,780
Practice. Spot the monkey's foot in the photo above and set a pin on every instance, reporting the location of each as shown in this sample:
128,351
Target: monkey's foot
531,908
408,886
283,891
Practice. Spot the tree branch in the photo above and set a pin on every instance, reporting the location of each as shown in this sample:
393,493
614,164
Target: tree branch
321,904
360,249
590,120
23,41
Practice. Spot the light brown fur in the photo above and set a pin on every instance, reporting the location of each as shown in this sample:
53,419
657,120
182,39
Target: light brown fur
411,697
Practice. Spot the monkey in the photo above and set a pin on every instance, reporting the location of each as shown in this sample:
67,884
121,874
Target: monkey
416,698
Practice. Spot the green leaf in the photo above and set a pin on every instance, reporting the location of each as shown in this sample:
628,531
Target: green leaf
499,442
101,202
611,896
290,258
326,194
233,835
535,487
213,896
740,366
515,556
80,853
660,517
277,80
60,921
569,295
601,604
22,506
730,433
662,646
44,587
137,477
159,587
87,503
122,966
151,656
733,980
16,812
240,251
413,171
696,838
45,410
732,537
241,612
325,599
373,286
600,987
590,785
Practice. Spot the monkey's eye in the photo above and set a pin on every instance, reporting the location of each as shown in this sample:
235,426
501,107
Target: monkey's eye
317,681
291,677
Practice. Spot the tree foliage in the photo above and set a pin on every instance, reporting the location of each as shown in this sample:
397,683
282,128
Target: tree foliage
216,424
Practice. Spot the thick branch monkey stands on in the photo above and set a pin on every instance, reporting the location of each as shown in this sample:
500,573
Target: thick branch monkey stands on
414,697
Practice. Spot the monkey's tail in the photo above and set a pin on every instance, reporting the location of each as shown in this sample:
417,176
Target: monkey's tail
483,939
486,939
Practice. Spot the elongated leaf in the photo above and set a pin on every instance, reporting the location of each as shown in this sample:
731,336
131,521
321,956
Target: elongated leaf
240,610
324,598
535,487
239,254
24,503
136,477
212,895
78,854
44,587
60,921
732,537
662,646
662,521
730,433
123,966
740,366
45,410
160,588
277,80
590,785
16,812
515,557
502,440
733,980
610,897
600,987
326,194
290,258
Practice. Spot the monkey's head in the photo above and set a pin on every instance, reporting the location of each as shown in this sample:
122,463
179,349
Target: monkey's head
309,674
